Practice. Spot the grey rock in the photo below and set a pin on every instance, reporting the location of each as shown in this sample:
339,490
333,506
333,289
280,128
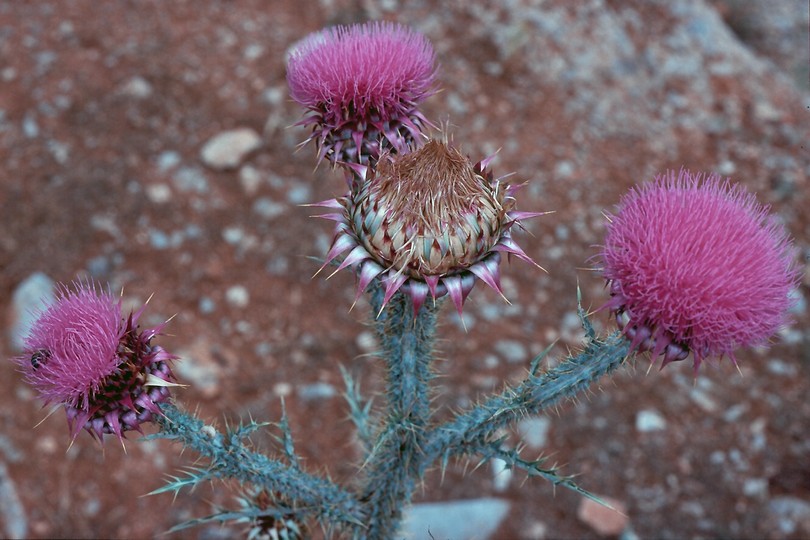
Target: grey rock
99,267
756,488
250,178
474,519
316,391
137,87
649,420
501,475
200,370
237,296
30,126
206,305
167,160
228,149
512,351
799,306
299,194
159,193
268,208
790,512
160,240
778,366
534,431
190,179
30,297
12,512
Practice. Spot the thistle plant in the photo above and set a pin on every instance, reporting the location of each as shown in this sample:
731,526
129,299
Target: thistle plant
693,266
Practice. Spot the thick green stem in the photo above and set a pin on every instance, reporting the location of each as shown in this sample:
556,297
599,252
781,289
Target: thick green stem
397,458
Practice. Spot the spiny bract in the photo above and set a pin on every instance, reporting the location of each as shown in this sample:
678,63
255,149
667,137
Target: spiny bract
427,222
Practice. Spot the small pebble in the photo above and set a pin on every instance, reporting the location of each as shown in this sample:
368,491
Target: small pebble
501,475
136,87
237,296
603,520
648,420
534,431
228,149
512,351
318,390
30,297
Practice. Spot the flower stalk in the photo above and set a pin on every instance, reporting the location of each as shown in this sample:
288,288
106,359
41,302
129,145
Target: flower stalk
397,459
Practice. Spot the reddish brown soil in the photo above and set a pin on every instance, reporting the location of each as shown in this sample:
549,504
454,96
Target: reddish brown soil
84,176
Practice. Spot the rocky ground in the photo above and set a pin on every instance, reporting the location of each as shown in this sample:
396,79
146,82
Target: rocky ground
106,107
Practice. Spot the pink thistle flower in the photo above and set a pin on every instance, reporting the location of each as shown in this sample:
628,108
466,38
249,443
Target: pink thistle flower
362,85
81,353
427,222
696,265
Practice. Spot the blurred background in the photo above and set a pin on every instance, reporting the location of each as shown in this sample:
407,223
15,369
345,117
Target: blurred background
105,108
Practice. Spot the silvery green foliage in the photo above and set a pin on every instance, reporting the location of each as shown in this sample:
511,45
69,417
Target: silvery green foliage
401,441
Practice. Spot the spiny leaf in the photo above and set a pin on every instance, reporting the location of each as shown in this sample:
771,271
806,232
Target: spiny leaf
286,439
360,412
533,468
590,333
245,430
535,365
243,515
179,483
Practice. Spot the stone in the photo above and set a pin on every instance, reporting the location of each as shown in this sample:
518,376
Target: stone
30,297
12,511
791,513
250,178
648,420
501,475
474,519
228,149
198,368
315,391
511,350
603,520
159,193
534,431
267,208
137,88
237,296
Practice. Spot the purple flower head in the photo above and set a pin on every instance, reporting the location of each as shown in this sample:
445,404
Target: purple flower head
362,85
696,265
427,222
83,354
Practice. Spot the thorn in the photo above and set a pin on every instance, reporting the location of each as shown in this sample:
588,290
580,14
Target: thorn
154,380
53,410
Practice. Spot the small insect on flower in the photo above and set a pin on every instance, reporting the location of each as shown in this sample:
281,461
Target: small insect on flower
39,358
83,354
696,265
